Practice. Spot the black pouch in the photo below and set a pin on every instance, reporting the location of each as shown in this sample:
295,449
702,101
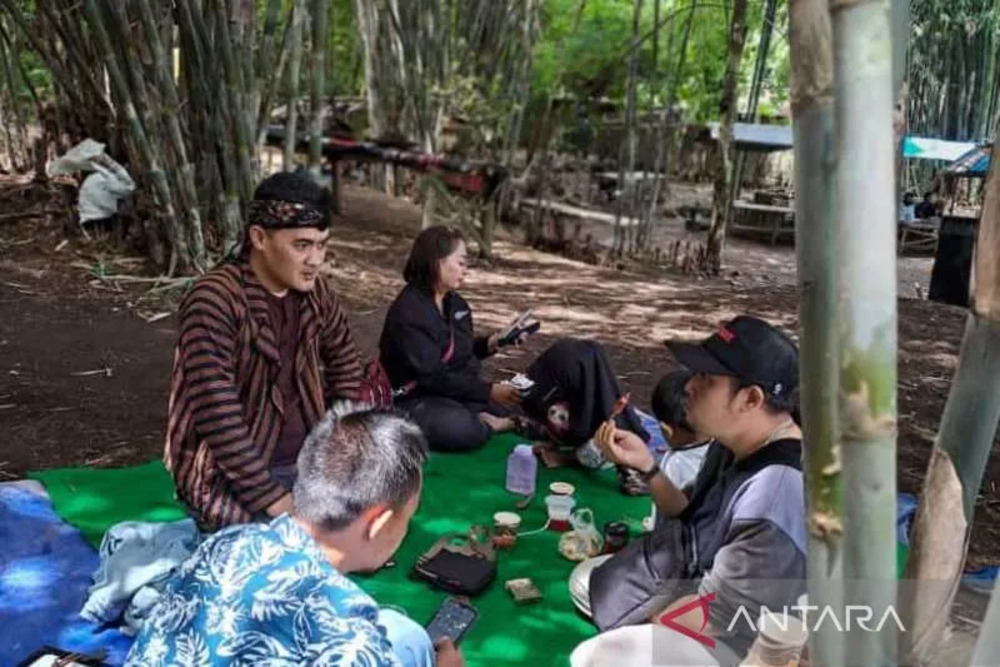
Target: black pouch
459,564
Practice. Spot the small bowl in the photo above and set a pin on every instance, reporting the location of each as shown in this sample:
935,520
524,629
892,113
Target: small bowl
507,520
562,488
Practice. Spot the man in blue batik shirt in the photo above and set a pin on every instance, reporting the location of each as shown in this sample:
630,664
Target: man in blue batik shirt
276,593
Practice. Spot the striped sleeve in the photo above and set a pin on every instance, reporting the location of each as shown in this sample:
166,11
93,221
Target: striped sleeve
342,364
208,351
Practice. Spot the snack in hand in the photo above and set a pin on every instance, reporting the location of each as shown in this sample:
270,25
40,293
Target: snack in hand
619,406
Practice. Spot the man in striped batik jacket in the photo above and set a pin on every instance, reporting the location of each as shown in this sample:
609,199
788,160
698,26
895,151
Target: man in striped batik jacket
264,348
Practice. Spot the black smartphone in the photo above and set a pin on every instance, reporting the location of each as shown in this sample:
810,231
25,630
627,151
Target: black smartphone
452,619
522,327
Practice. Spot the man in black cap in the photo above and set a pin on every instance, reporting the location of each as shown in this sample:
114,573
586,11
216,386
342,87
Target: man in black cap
264,348
739,538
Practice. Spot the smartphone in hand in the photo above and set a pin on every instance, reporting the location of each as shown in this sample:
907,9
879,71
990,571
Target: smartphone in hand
452,620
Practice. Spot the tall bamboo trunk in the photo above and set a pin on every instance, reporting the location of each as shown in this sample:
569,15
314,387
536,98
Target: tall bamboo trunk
181,255
299,18
753,99
170,107
665,130
626,154
866,248
320,34
811,54
965,439
727,116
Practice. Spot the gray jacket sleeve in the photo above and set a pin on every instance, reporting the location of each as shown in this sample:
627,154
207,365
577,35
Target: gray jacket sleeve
759,566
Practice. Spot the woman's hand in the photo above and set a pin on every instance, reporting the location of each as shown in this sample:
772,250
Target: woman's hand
505,395
493,342
624,447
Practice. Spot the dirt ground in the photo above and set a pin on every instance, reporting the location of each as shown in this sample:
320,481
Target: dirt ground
84,361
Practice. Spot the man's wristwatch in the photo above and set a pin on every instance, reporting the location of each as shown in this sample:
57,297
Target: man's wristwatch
647,475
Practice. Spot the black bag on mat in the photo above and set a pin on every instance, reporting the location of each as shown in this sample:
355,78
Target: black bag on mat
458,564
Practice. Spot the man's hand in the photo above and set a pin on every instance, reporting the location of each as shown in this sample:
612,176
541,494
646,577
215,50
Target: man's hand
624,447
282,505
448,655
505,395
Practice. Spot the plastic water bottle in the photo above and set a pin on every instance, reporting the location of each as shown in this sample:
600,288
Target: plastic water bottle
522,470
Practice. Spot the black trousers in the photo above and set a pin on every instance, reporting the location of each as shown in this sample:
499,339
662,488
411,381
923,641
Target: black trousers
579,373
450,425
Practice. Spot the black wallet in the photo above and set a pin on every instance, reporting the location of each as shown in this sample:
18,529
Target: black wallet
458,564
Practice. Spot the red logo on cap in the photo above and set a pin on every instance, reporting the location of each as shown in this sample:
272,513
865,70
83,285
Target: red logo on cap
727,335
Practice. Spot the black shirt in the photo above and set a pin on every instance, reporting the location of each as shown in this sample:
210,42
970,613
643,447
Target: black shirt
414,342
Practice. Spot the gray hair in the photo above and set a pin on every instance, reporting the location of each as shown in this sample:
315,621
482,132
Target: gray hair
354,458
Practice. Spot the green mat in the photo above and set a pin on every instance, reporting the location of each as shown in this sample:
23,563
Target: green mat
94,499
459,490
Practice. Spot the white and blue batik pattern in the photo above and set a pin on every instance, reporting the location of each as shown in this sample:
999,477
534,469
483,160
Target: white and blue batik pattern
262,594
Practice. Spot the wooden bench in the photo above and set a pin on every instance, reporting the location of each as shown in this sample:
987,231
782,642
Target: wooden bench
777,221
578,213
919,236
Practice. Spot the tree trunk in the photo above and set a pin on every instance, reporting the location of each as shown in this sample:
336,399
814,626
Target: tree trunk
665,130
811,55
965,438
753,100
866,251
626,153
299,18
317,93
727,116
181,257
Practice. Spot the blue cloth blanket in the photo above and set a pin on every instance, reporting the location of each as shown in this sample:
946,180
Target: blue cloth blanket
45,570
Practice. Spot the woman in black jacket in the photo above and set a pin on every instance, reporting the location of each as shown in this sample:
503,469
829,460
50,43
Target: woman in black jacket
431,354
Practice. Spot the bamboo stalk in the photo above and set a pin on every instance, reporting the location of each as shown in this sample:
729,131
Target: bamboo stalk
321,34
299,19
665,133
265,57
71,42
269,84
753,98
721,205
811,54
866,248
180,251
368,26
626,152
212,118
231,103
18,153
163,68
48,54
962,449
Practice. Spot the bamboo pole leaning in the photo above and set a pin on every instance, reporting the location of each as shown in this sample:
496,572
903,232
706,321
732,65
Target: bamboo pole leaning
866,256
170,108
811,46
965,439
181,256
721,209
